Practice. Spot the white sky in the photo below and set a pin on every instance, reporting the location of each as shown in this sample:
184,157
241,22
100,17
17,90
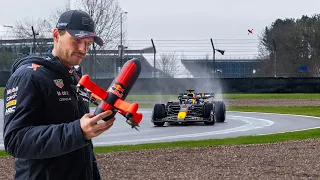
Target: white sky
180,19
193,19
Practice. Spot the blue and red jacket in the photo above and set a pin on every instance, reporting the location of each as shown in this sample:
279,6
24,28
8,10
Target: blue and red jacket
41,122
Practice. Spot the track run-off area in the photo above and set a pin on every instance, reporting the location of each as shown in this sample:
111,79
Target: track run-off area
236,124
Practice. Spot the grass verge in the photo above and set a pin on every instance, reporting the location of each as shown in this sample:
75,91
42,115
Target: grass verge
228,96
1,92
271,138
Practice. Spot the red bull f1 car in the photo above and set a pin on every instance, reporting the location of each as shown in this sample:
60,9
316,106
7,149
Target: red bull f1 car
191,108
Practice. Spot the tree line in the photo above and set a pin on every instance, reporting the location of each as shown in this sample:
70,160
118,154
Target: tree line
291,47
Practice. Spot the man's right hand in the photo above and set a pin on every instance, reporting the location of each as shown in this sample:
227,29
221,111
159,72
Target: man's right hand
91,128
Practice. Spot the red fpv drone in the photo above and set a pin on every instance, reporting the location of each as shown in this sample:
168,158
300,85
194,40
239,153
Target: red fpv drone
113,98
250,31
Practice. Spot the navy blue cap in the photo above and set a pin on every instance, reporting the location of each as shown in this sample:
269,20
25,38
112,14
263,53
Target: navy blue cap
79,24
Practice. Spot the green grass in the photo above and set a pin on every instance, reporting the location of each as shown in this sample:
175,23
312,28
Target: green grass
227,96
1,92
166,97
279,137
151,97
3,153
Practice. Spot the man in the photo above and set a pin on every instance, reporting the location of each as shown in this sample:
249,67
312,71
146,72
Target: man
47,126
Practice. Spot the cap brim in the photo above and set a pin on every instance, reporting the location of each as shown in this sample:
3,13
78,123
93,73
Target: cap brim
84,34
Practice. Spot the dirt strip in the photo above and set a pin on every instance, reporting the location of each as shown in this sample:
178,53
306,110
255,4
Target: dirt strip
272,102
287,160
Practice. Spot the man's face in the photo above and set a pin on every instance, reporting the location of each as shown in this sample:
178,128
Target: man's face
72,51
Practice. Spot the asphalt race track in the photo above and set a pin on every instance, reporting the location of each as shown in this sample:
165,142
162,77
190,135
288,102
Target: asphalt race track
237,124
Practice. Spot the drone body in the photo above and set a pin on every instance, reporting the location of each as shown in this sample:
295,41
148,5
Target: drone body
250,31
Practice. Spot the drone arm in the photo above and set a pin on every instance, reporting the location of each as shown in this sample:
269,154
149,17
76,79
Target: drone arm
95,89
124,108
95,96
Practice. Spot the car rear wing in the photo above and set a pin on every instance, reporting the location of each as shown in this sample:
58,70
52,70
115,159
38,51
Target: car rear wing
198,95
206,95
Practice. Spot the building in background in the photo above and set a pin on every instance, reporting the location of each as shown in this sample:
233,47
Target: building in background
223,68
98,64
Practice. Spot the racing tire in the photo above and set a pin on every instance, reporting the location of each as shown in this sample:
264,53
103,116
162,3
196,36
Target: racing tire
159,112
220,111
212,119
208,114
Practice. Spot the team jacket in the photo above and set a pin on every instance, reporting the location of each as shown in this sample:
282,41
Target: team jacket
41,122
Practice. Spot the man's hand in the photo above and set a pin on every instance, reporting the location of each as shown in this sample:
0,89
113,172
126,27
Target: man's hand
91,128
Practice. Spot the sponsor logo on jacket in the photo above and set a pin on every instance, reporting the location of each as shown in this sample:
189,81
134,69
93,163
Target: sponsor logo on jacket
13,96
59,83
63,93
11,103
34,66
13,90
10,110
65,99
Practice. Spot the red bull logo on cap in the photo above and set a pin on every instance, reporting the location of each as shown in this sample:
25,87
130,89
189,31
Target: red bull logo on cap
117,89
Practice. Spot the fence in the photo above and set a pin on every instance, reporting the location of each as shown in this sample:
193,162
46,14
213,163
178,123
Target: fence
202,58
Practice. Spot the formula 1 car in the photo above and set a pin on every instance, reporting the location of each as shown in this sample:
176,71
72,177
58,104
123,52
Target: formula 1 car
192,107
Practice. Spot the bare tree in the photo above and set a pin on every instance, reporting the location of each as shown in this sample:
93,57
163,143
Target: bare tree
54,17
42,26
31,29
105,13
207,69
207,56
107,17
23,29
168,64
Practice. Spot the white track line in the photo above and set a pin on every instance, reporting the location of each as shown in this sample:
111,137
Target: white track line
251,123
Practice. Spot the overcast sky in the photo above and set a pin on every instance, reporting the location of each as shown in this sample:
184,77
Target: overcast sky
190,19
180,19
